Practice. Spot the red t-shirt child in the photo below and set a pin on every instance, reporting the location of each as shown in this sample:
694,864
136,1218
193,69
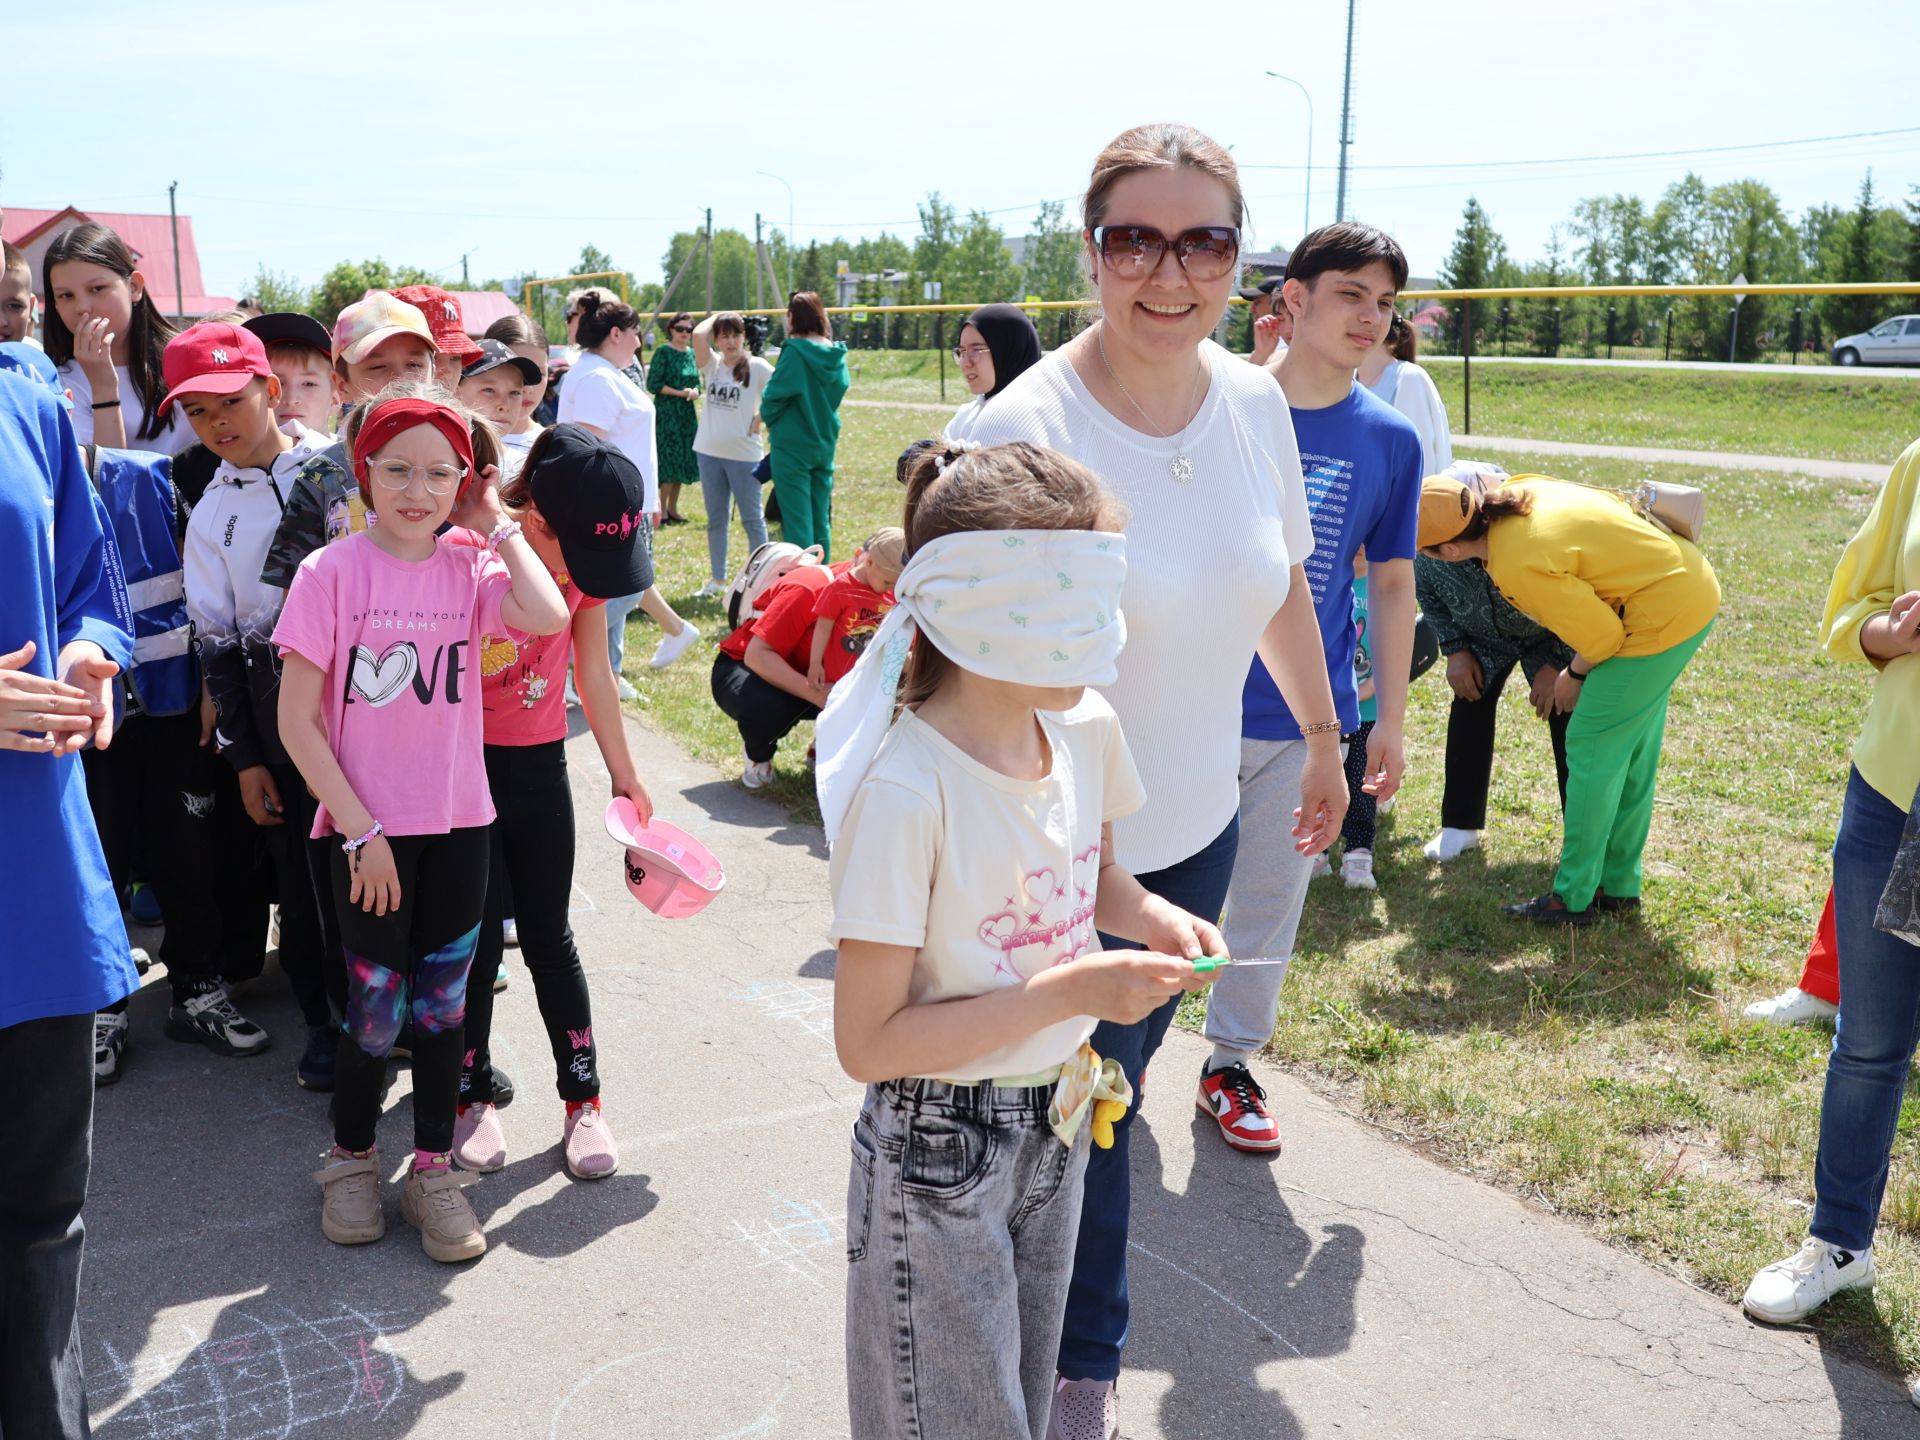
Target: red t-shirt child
787,622
856,610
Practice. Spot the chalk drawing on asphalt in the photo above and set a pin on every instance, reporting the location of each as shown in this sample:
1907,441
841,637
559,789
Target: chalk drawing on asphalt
271,1372
707,1392
807,1007
800,1237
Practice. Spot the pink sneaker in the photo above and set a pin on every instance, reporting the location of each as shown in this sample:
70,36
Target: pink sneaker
478,1141
591,1153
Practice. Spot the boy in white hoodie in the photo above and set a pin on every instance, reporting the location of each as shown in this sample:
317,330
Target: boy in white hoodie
228,392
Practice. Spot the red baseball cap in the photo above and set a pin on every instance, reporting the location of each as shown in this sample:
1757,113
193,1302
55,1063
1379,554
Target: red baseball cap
212,359
443,318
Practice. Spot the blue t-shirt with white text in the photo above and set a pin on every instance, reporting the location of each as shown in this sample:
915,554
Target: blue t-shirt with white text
1362,463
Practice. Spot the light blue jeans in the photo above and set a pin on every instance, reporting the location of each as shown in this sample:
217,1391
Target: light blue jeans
962,1207
1873,1042
617,612
723,485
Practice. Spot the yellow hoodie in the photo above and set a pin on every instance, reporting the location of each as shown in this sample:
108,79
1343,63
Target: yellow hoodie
1880,564
1589,569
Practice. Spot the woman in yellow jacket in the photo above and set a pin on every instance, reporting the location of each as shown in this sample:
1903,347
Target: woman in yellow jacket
1873,614
1634,602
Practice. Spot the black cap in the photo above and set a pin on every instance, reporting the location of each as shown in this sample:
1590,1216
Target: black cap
494,354
290,326
1265,288
594,499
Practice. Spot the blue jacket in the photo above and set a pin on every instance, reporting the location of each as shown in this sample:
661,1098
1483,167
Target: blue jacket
145,516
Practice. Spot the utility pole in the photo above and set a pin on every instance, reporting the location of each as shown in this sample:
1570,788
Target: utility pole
179,295
1346,120
759,261
709,259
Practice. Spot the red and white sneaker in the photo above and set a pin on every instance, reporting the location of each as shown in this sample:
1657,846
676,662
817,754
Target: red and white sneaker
1239,1106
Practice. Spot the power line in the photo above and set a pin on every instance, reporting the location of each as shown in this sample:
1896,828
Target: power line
1631,155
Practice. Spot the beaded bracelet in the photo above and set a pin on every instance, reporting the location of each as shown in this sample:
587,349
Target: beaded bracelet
1320,727
353,847
502,533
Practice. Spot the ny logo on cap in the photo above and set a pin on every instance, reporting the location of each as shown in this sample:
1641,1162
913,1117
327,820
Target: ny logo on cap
219,357
452,314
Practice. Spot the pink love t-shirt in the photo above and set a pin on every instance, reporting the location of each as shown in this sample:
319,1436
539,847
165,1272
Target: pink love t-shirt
400,643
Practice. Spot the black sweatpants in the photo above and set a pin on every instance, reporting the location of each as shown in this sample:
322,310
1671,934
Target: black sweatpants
1470,733
532,859
309,936
409,963
153,792
765,713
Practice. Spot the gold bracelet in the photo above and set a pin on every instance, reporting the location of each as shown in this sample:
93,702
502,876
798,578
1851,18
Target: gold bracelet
1322,727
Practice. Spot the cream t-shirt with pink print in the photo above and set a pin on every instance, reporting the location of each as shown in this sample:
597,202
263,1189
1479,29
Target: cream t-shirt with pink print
991,879
400,642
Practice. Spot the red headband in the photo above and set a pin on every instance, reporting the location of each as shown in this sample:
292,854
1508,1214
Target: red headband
396,416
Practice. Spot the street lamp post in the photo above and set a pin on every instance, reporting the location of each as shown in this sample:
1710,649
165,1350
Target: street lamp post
771,176
1307,211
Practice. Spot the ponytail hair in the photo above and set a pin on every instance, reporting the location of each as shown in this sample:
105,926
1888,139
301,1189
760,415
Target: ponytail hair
807,316
600,317
1495,502
94,244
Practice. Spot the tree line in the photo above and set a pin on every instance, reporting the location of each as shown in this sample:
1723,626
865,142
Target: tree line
1694,234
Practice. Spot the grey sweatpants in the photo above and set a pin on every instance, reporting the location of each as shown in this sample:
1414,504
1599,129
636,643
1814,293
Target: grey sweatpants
1264,901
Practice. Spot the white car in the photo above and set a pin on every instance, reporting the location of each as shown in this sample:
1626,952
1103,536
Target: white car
1891,342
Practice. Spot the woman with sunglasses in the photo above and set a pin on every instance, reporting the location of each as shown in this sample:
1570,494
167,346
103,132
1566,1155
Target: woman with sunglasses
1200,447
673,379
998,345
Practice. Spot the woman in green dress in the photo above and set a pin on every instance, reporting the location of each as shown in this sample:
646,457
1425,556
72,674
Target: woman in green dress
673,379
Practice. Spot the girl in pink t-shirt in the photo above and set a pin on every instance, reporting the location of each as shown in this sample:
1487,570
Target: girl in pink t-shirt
380,708
569,494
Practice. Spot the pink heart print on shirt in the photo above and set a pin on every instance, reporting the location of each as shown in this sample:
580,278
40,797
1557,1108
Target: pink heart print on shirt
378,681
1049,922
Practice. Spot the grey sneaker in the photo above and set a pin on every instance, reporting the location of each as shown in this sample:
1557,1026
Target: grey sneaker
109,1046
202,1014
350,1199
1084,1410
449,1230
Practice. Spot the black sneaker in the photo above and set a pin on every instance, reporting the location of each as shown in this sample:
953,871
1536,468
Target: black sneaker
1614,904
109,1046
502,1089
316,1067
1550,909
203,1014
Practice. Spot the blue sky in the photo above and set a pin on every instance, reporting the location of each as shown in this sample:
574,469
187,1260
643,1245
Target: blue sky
519,133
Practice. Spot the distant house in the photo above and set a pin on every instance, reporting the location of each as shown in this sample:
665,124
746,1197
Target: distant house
1258,265
150,237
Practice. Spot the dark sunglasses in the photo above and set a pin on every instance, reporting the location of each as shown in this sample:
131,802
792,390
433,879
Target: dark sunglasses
1205,252
683,329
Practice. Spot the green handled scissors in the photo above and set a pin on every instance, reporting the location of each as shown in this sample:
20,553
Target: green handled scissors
1207,964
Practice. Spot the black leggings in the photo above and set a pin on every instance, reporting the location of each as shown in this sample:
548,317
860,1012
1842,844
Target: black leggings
531,857
1470,733
764,713
410,963
1363,811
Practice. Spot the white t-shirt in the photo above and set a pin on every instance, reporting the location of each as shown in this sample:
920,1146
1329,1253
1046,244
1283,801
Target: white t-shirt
1416,397
725,419
513,451
176,435
598,394
991,879
1207,566
964,419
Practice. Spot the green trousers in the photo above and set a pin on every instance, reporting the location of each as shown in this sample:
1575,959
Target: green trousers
805,493
1613,756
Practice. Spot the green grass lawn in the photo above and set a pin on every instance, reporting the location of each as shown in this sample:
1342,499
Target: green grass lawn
1836,415
1605,1074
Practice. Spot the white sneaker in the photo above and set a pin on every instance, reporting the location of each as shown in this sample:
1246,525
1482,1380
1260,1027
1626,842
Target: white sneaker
712,590
1450,844
1356,870
672,647
573,695
1792,1006
625,687
757,775
1789,1290
273,930
510,932
1322,867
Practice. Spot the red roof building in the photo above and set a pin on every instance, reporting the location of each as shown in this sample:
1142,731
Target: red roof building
150,237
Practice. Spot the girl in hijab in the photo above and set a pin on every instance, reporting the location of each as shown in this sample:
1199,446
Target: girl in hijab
998,345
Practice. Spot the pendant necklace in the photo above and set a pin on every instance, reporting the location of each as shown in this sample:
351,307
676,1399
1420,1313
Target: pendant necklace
1180,467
